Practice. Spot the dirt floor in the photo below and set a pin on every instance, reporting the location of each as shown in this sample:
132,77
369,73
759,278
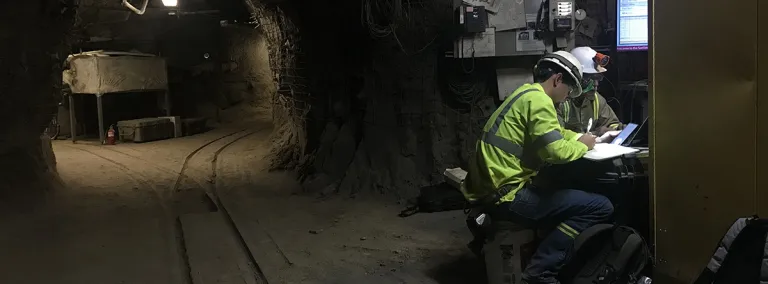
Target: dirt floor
203,209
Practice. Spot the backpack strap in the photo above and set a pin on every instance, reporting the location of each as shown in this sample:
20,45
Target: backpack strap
626,252
589,233
722,251
707,276
646,254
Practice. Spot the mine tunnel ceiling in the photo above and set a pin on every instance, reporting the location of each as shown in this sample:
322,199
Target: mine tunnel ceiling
105,11
153,4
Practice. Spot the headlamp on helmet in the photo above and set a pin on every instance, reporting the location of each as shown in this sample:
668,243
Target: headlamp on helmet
601,59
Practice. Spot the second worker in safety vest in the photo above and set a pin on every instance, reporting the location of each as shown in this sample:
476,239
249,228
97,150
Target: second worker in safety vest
520,136
575,113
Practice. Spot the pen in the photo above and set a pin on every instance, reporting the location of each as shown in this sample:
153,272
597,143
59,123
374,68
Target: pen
589,125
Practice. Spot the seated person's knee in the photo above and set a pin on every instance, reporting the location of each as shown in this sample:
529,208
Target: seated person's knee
605,206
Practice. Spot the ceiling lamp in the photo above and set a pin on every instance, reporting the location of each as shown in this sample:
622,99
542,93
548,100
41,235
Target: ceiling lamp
170,3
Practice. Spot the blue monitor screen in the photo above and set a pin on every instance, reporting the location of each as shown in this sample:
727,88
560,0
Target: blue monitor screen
632,25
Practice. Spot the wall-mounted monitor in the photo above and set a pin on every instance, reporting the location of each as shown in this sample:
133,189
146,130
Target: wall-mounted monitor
632,25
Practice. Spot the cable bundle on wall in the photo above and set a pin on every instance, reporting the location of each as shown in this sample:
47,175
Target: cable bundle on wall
414,19
466,92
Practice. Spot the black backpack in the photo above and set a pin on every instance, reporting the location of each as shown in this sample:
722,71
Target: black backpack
606,254
741,256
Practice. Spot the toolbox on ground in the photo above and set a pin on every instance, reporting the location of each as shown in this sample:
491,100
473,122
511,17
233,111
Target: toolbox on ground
145,129
192,126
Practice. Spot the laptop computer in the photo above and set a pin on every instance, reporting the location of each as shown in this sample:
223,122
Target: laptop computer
619,146
621,139
640,136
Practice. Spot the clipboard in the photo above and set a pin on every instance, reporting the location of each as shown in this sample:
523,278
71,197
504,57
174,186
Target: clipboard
604,151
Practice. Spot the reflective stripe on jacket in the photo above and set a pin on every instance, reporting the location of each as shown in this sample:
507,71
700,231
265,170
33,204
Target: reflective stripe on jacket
521,135
576,117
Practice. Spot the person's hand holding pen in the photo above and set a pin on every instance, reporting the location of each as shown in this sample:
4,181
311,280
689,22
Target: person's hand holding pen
588,139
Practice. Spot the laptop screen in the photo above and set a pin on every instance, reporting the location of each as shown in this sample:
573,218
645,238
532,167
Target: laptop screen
640,136
624,134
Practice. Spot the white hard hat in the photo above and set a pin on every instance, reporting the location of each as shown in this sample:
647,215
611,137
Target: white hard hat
569,63
586,55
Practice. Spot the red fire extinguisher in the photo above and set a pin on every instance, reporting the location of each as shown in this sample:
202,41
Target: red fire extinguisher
111,135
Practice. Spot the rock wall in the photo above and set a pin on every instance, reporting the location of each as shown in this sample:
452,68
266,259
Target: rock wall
407,133
388,122
247,86
34,36
290,104
360,106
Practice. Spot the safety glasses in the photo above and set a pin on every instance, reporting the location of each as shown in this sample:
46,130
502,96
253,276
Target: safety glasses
573,91
593,77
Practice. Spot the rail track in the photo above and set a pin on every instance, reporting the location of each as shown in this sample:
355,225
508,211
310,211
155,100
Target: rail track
136,177
231,222
142,180
179,175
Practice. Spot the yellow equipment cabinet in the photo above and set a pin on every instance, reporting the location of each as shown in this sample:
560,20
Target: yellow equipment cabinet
709,97
762,110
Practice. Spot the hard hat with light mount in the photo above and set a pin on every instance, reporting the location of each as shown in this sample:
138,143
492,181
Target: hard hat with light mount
570,64
591,60
593,63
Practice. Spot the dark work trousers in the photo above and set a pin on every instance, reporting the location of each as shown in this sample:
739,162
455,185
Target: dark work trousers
569,211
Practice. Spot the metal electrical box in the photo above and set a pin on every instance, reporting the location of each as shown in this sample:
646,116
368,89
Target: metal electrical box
517,27
562,14
472,19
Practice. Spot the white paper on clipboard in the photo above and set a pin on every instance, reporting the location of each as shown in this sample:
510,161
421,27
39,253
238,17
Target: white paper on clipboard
527,41
603,151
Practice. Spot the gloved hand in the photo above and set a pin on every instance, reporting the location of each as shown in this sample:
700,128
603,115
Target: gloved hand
607,136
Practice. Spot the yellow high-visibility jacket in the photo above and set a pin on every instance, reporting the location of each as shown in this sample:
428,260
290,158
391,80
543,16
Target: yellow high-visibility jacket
520,136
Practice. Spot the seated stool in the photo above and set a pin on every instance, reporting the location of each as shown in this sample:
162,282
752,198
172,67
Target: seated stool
507,251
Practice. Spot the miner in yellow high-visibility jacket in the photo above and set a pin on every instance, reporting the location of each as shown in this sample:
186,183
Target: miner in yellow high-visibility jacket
519,137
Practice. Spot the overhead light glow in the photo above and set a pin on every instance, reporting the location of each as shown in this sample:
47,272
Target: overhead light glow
170,3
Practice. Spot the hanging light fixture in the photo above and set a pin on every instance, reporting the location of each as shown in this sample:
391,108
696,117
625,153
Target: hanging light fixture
170,3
